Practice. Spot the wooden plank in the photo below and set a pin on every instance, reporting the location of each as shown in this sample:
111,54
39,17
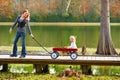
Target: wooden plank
84,60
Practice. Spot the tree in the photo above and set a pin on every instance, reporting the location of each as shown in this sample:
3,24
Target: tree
105,44
114,6
6,8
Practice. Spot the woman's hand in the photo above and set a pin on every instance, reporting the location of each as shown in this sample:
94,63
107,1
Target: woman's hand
10,30
32,35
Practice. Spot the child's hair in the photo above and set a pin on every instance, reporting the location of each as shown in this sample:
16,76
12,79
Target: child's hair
73,37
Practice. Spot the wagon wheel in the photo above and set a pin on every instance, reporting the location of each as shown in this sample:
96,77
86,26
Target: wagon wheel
73,55
54,55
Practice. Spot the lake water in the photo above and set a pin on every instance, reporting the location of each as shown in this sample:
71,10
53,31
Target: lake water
58,36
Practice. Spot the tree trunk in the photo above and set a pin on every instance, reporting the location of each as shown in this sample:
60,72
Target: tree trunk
68,5
105,44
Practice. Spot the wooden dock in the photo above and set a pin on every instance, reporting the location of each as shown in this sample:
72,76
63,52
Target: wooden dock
84,60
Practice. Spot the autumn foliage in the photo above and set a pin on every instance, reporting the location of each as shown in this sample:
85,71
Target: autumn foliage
6,8
115,7
78,9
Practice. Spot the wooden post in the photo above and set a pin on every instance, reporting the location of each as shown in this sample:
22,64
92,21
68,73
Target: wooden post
83,50
41,68
4,68
86,69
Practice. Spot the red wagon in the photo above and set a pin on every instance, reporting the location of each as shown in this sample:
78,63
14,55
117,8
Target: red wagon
72,51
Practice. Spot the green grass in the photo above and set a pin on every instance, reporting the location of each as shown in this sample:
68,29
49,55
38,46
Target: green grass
97,70
12,76
16,68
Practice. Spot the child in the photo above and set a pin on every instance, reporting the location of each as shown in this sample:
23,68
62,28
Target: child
73,45
73,42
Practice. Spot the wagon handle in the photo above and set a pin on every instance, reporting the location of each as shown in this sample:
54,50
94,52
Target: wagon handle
41,45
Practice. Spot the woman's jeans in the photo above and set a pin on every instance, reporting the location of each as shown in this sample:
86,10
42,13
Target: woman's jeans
18,35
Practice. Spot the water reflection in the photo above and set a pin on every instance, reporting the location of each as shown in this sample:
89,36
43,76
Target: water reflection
57,36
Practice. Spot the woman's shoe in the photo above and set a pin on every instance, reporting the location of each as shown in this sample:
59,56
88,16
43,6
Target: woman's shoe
12,55
22,56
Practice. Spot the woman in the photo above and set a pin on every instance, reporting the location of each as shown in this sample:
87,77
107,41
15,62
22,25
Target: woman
21,20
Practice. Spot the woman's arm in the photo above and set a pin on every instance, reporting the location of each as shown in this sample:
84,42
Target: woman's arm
12,27
29,29
15,22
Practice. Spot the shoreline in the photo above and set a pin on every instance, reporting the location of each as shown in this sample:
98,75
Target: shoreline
60,24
